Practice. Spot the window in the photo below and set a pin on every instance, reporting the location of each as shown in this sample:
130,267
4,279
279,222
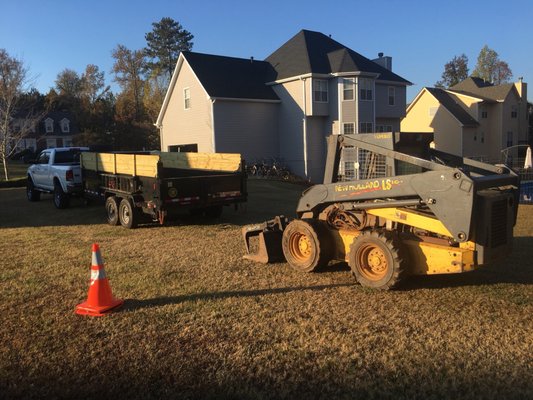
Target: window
49,125
366,127
65,125
514,112
509,139
392,96
44,157
51,143
348,89
383,128
320,90
187,98
366,86
67,142
348,128
482,137
484,114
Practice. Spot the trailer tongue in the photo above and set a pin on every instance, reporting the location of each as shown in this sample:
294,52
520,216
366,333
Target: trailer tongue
397,214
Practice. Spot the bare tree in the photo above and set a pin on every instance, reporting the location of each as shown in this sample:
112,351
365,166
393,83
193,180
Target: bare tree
16,120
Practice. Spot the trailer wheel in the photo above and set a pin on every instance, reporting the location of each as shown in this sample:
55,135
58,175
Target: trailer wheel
375,261
128,216
32,193
305,245
111,207
61,199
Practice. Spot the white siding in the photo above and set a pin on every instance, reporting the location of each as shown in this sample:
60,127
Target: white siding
194,125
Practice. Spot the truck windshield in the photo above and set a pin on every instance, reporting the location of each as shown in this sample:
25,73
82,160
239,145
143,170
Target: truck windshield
68,156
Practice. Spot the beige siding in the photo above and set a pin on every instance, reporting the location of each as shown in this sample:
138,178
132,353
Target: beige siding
194,125
249,128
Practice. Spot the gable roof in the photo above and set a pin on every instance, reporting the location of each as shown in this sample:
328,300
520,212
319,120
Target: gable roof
229,77
313,52
448,102
477,87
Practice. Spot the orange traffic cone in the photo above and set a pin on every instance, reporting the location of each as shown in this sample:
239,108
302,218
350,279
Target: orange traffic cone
100,300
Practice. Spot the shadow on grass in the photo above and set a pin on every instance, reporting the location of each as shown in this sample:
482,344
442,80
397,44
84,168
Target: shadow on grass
134,304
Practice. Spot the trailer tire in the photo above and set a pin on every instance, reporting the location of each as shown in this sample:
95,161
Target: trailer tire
213,211
128,215
32,193
111,207
61,199
375,261
306,245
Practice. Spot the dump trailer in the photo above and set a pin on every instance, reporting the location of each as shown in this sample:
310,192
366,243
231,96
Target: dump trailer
160,184
390,214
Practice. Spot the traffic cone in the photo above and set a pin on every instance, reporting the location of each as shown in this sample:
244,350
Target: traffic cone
100,300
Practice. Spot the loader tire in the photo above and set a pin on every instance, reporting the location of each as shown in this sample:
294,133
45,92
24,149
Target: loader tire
375,261
305,245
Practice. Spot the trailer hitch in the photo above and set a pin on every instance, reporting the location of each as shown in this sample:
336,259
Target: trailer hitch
269,245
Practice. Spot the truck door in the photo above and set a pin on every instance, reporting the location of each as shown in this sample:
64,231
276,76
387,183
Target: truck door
41,170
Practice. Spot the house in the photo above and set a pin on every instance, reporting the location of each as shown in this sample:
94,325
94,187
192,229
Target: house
473,118
53,129
282,107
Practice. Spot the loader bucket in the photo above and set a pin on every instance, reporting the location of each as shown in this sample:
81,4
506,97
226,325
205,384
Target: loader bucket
269,235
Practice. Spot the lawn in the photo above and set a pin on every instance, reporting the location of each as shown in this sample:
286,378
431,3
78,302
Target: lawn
17,173
201,322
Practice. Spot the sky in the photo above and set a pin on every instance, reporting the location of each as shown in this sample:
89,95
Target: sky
420,36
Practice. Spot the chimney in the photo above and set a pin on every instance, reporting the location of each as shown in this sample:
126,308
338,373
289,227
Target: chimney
384,61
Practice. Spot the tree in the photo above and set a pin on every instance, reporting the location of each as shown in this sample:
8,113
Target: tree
490,68
17,116
128,69
164,44
68,83
93,84
455,71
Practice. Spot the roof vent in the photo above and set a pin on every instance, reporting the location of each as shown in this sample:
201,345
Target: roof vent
380,55
252,59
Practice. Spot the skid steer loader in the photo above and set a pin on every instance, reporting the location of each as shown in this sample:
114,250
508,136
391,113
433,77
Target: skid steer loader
389,214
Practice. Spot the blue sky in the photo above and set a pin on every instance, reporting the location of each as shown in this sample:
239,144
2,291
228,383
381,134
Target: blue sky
420,36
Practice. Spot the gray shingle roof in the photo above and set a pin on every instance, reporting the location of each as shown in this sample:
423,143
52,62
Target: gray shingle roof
230,77
477,87
314,52
451,105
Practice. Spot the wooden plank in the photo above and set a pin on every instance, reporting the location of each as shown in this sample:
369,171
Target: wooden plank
210,161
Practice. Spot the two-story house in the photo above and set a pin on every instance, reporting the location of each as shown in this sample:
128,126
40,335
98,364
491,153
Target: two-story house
473,118
285,106
54,129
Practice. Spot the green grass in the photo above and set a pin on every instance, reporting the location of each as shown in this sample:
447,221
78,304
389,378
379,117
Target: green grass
201,322
17,174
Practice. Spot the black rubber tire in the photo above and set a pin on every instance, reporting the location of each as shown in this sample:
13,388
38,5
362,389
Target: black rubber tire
128,215
306,245
61,199
111,207
375,260
213,212
31,193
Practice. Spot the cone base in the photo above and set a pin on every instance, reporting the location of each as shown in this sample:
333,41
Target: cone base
98,311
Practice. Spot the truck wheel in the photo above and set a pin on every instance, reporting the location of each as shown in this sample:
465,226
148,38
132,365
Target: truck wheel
375,261
213,211
32,193
61,199
305,245
111,206
128,216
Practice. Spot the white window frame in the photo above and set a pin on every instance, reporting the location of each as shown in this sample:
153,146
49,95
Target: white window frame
187,98
51,143
49,125
348,124
320,87
391,96
65,126
345,83
366,89
484,114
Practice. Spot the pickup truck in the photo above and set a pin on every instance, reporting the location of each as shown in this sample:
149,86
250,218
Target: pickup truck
56,171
